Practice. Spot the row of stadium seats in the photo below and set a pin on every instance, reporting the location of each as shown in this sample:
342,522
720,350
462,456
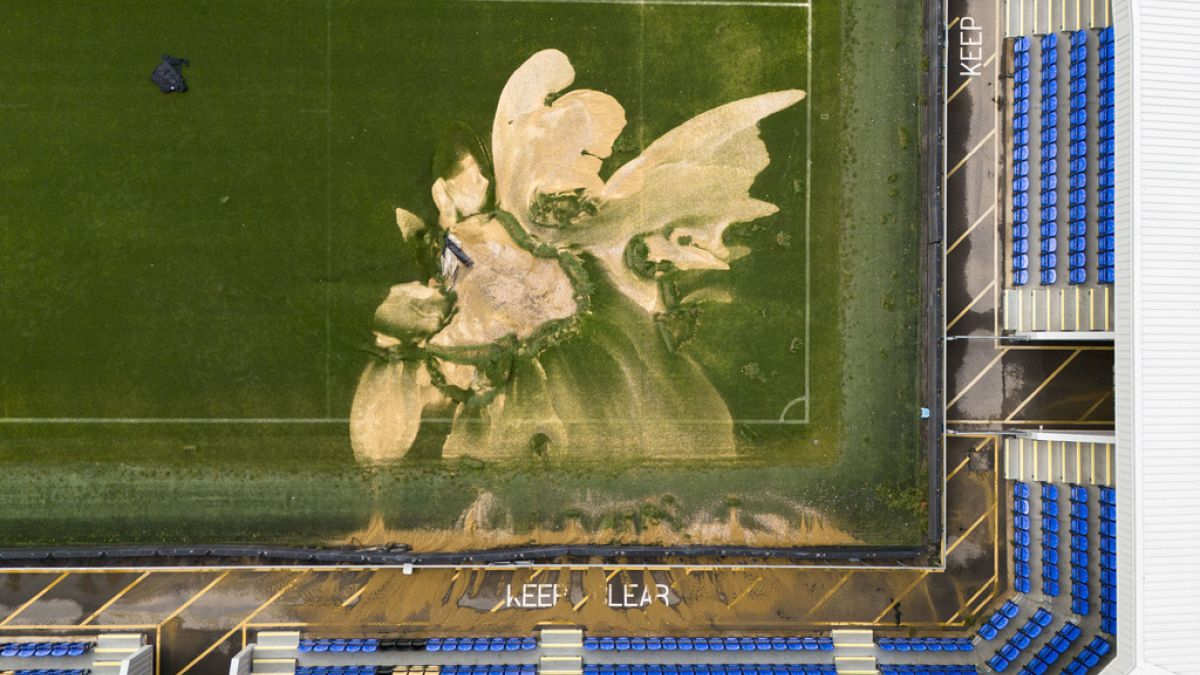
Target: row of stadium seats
1049,195
714,644
925,644
1077,198
340,669
1052,651
1050,586
482,644
351,645
1107,178
23,650
709,669
1020,534
490,669
1020,187
924,669
998,620
1011,650
1108,560
1089,657
1080,603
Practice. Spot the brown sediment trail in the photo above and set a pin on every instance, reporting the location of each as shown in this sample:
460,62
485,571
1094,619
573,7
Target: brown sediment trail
809,528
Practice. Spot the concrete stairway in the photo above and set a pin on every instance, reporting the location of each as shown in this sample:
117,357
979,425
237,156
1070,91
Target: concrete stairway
561,651
1062,461
111,649
854,652
275,652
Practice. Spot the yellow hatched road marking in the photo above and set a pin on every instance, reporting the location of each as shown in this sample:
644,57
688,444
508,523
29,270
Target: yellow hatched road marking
355,596
744,593
972,152
1075,354
291,584
903,594
984,516
958,468
195,597
977,378
974,225
1096,405
829,594
971,599
35,598
971,304
114,598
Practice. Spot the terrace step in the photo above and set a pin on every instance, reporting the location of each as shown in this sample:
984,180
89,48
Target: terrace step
278,640
116,645
269,665
106,668
561,638
560,665
855,665
852,643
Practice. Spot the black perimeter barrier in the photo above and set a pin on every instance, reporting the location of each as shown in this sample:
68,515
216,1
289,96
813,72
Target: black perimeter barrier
933,278
148,556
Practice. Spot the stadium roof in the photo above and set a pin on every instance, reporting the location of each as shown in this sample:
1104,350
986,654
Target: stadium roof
1158,335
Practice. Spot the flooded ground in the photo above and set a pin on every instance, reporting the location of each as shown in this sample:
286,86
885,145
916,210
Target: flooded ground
191,280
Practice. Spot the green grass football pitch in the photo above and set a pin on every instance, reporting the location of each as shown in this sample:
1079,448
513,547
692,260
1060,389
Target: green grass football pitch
186,281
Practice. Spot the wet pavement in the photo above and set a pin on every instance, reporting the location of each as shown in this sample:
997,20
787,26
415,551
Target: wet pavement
198,618
991,383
